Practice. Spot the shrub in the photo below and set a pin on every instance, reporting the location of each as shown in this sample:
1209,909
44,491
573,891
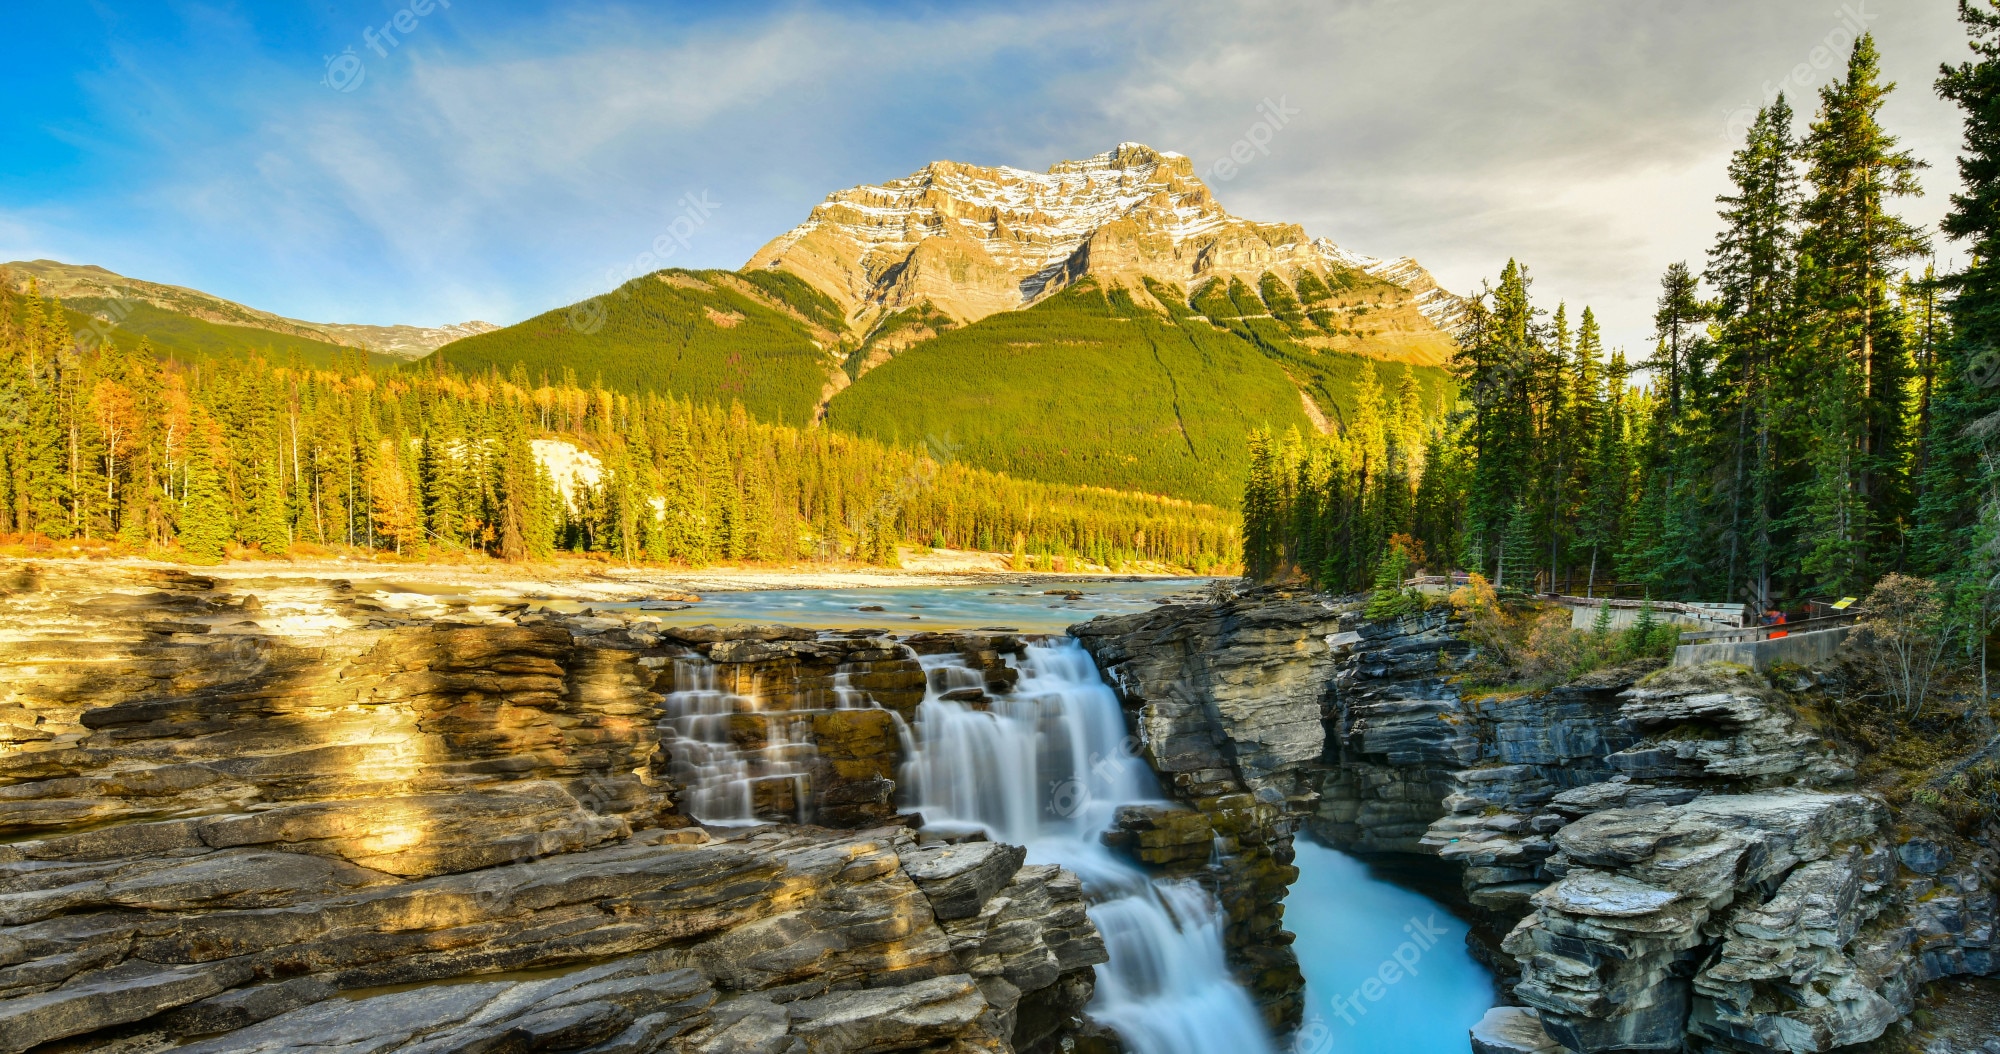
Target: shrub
1907,637
1389,599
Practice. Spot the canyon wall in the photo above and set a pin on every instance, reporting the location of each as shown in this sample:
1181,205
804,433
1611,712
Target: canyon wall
1655,860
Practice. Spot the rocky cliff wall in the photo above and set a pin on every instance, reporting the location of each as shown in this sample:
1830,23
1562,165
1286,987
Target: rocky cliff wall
290,817
1662,860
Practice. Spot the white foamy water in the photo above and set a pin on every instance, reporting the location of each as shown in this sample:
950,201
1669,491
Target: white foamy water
721,778
1047,766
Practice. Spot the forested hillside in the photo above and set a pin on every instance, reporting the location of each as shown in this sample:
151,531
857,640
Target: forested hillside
1098,387
762,338
99,441
1818,411
188,323
183,336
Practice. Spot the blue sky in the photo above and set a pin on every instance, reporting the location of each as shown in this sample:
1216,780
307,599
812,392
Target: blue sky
505,158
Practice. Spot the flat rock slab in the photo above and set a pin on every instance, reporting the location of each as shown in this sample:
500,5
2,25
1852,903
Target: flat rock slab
1604,895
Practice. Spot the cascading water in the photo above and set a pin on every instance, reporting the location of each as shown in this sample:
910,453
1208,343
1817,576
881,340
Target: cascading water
1047,766
721,777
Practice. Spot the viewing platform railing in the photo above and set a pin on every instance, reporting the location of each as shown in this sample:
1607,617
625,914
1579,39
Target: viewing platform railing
1759,633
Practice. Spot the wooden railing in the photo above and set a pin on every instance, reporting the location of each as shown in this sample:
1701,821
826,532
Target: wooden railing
1757,633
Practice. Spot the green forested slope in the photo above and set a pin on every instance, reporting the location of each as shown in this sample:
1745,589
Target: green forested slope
1081,388
186,337
763,338
1090,388
1087,387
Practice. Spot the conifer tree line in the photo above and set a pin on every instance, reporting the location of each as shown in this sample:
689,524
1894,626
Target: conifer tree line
1817,410
112,444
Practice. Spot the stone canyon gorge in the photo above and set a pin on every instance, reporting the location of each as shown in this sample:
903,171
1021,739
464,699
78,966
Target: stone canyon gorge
278,812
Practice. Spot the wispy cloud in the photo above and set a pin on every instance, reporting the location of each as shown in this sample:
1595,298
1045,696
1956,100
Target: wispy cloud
500,163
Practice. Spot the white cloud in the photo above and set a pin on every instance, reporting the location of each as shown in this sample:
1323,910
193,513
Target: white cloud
497,170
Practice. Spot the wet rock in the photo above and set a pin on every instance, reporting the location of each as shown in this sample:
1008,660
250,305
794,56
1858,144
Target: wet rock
239,837
1163,834
1924,856
1607,953
1512,1030
1227,698
959,878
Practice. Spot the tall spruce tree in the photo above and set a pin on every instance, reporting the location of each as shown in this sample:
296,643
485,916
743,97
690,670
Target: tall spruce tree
1853,360
1960,470
1751,268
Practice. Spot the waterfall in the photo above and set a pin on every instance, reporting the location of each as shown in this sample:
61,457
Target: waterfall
721,778
1047,766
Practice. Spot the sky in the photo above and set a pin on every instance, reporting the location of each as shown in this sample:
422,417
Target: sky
433,161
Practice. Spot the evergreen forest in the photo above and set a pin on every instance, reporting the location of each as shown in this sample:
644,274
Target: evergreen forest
1818,410
110,444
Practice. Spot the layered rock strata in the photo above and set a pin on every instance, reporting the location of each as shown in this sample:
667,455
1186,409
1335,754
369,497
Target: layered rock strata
307,819
967,241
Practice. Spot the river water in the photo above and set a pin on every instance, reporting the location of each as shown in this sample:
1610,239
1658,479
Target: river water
1048,606
1361,937
1047,766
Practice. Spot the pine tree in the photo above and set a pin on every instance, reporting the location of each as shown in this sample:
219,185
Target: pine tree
1262,539
396,515
1677,322
517,496
1849,245
1751,268
1387,600
1517,553
205,526
1960,471
263,525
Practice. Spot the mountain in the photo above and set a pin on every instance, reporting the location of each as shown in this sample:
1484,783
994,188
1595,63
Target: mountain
971,241
1107,323
191,321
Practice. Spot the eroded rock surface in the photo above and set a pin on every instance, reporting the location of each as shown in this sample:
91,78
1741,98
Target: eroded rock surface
1676,860
313,821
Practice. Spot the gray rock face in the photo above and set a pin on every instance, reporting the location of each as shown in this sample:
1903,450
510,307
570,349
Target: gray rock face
1408,751
1676,864
1606,953
1511,1030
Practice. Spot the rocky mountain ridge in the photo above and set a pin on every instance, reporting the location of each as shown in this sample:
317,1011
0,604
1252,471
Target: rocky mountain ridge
973,240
